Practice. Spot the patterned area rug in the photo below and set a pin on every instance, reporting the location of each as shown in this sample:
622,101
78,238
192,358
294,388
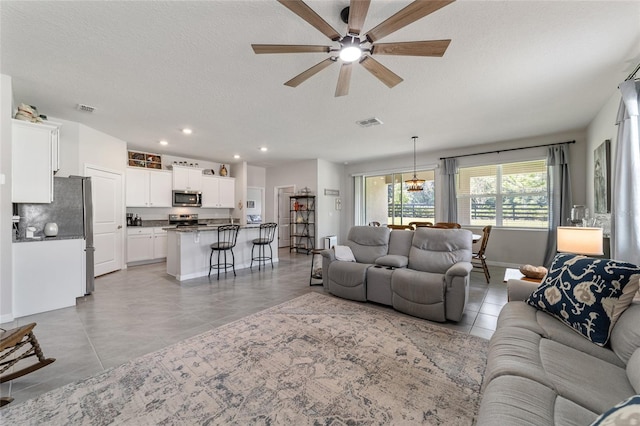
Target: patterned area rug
313,360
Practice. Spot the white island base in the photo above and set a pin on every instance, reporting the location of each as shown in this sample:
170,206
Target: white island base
188,251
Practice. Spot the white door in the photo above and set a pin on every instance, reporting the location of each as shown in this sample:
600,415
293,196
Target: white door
284,214
107,219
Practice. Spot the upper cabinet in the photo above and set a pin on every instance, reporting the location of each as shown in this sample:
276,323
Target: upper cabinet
148,188
218,192
34,159
187,178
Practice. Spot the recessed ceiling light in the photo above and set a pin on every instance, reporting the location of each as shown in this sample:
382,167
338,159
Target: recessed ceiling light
187,131
263,148
236,156
163,142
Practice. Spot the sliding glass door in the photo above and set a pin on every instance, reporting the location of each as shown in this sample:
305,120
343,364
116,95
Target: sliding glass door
388,202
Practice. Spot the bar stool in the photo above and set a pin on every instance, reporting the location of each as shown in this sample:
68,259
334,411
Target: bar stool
227,237
265,238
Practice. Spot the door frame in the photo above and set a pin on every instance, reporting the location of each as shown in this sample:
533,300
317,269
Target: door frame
276,206
121,173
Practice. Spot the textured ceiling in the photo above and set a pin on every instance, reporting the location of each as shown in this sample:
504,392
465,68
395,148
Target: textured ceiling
514,69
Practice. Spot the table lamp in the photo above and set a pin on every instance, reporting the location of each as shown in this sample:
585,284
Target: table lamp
580,240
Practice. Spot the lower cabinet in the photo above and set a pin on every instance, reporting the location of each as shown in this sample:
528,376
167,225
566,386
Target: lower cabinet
144,244
159,243
47,275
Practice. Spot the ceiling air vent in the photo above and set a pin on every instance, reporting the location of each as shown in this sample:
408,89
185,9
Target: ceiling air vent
85,108
369,122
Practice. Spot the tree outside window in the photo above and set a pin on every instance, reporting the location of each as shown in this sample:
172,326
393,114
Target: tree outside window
387,200
510,195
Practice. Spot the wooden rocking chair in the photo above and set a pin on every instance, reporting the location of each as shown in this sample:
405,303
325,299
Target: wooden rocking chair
13,349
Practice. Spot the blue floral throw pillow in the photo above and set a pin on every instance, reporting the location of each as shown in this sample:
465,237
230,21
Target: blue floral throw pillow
587,294
625,413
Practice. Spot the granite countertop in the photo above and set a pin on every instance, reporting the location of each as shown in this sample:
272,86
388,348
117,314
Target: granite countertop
210,227
43,238
165,223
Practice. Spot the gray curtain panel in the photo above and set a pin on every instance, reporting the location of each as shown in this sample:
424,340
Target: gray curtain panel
625,197
449,171
559,195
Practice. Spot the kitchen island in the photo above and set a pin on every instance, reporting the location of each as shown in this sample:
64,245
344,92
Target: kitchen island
188,250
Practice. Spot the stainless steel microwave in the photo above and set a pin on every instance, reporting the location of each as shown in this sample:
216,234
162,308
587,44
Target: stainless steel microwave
187,199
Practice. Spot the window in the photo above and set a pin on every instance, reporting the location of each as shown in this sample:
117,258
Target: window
511,195
387,200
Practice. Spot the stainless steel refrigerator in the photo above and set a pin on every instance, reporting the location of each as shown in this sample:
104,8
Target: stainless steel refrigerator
71,209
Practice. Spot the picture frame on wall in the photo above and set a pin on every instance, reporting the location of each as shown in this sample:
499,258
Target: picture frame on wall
602,177
251,204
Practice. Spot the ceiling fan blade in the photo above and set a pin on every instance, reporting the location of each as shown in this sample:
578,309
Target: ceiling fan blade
288,48
381,72
416,10
344,79
412,48
301,9
357,13
303,76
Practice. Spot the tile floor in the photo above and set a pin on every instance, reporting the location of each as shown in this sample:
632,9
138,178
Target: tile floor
142,309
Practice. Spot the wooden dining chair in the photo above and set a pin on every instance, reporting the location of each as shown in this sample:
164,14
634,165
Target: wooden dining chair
447,225
421,224
397,227
479,259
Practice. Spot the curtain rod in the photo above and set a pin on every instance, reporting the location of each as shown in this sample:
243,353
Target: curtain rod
505,150
633,73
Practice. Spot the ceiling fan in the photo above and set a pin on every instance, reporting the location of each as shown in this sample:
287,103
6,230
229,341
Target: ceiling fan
355,48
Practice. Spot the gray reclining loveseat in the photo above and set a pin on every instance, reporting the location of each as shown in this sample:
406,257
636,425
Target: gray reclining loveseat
424,273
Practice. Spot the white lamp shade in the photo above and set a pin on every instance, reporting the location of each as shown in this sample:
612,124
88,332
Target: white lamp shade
579,240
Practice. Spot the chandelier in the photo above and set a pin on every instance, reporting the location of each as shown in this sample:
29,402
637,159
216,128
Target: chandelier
414,184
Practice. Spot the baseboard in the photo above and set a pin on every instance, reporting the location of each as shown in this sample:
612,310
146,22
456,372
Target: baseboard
6,318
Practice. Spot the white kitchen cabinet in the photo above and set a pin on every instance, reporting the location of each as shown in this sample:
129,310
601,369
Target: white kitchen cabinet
146,244
34,158
148,188
218,192
159,243
139,244
160,189
47,275
187,178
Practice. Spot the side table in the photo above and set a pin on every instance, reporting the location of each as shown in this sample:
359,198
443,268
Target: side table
515,274
316,269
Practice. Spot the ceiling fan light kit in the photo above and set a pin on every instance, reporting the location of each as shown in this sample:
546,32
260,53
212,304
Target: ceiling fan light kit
350,50
351,47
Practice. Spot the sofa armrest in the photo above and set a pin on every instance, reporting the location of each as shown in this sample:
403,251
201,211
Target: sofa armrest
328,254
460,269
457,289
520,290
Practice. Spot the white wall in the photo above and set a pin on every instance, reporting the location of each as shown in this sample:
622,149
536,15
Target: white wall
507,247
69,148
299,174
601,128
240,173
256,176
102,150
328,218
6,207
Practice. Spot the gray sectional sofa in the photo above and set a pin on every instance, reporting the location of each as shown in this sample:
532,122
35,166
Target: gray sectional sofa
541,372
424,273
